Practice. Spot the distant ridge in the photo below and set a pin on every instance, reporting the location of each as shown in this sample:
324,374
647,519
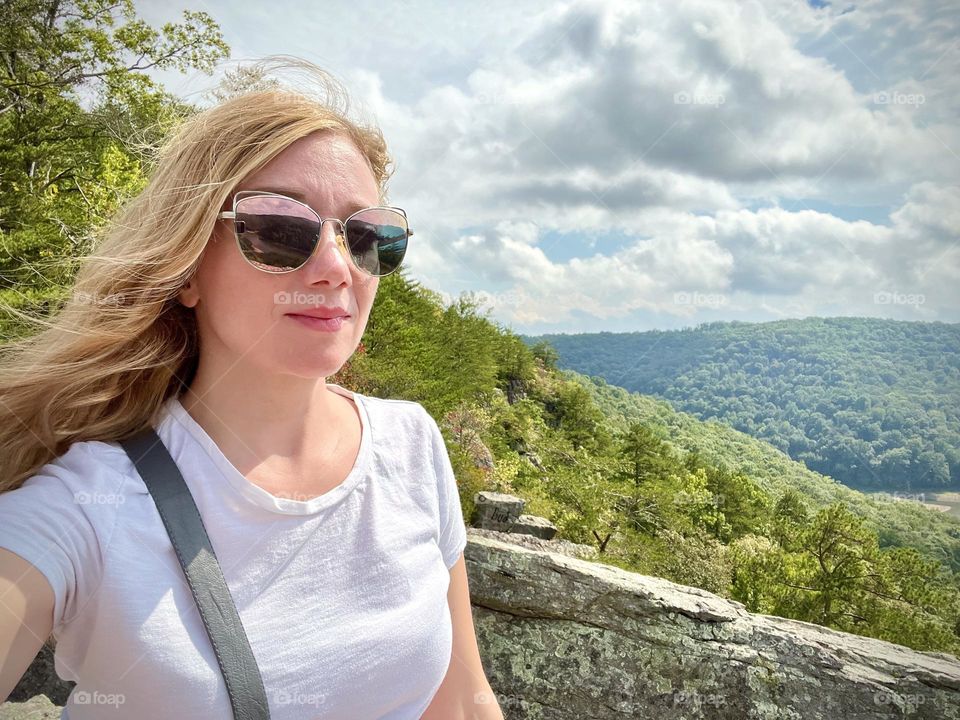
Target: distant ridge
873,403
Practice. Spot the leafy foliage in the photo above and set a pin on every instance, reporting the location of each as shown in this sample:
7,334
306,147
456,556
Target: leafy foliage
872,403
78,123
660,492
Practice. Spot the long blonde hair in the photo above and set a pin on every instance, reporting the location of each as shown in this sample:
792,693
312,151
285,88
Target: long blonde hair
101,367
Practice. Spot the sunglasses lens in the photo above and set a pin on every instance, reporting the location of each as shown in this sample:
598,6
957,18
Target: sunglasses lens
378,240
278,235
275,234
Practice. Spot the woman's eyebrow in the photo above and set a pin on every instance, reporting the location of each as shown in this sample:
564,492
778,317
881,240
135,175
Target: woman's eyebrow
297,195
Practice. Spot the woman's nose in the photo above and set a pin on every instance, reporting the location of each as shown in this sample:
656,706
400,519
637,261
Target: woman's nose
331,259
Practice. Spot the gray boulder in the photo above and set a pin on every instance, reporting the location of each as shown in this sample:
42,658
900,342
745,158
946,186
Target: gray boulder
564,638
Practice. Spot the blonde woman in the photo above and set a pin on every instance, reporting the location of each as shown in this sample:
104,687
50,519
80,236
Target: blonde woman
213,310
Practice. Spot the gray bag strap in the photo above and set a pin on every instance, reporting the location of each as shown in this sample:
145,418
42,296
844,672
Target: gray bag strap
189,537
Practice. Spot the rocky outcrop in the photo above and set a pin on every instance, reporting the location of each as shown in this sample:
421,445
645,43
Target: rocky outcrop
36,708
563,638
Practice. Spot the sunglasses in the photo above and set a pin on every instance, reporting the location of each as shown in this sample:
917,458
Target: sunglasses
278,234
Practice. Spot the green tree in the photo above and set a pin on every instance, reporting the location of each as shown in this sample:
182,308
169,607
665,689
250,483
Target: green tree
644,453
789,515
515,365
546,354
571,410
746,508
839,556
79,120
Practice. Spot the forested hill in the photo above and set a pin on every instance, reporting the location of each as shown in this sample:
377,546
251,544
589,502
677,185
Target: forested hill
872,403
657,491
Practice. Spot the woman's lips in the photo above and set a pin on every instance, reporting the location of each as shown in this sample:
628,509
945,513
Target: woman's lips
322,324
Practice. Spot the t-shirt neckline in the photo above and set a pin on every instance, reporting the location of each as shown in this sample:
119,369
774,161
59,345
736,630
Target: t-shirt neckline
176,412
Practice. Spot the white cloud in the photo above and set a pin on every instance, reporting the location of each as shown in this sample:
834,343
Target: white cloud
785,263
724,142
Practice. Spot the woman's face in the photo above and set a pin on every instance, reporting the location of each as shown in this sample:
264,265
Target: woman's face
242,312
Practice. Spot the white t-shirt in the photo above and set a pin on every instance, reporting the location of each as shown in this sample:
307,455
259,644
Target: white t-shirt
343,596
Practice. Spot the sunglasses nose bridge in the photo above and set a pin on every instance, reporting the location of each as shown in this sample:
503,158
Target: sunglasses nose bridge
336,220
339,237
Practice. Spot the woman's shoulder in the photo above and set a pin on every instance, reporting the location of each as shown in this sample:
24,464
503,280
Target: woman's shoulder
87,466
397,410
61,519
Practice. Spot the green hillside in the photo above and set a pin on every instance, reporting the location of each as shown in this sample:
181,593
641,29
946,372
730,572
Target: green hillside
872,403
658,491
897,522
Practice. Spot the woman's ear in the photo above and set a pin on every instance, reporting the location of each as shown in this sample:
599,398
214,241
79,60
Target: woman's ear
189,294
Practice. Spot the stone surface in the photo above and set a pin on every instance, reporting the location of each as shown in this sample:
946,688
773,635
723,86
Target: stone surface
36,708
564,547
502,512
563,638
534,525
496,511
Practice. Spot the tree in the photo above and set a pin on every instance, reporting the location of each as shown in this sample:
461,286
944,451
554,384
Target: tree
644,453
515,363
745,506
789,515
840,557
79,120
546,354
571,410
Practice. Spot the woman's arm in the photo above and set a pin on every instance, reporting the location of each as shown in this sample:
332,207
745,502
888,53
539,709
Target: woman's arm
465,693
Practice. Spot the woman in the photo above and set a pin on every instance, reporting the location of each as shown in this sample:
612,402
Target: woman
214,310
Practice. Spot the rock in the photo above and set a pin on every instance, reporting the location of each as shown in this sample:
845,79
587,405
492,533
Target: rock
533,459
564,638
496,511
536,526
563,547
499,511
36,708
483,458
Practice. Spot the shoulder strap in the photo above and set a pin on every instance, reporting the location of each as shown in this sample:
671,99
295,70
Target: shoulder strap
189,537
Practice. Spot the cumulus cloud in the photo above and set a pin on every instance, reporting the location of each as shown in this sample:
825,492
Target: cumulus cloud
751,159
705,132
788,263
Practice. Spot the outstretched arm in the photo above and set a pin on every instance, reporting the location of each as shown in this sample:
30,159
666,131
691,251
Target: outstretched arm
465,693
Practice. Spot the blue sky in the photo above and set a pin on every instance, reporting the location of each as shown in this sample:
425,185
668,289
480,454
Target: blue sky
605,165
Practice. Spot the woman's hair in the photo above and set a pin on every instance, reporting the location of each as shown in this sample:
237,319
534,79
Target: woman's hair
102,366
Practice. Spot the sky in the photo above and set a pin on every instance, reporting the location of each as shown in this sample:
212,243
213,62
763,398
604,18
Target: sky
617,166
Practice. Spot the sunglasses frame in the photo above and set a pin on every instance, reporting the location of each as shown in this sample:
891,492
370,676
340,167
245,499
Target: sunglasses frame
341,235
